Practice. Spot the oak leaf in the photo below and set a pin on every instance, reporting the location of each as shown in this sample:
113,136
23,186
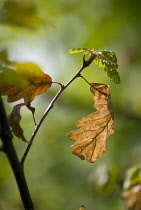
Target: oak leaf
95,128
107,60
37,82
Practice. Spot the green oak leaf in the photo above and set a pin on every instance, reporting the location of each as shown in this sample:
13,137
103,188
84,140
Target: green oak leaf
78,50
133,177
107,60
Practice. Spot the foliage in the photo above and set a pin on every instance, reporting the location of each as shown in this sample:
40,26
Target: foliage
93,142
94,128
133,177
103,25
37,83
78,50
104,59
107,60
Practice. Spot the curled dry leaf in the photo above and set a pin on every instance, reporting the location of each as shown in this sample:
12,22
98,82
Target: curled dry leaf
95,128
14,121
37,82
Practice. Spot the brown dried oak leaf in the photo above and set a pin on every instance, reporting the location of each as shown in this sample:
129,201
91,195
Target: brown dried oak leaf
37,82
95,128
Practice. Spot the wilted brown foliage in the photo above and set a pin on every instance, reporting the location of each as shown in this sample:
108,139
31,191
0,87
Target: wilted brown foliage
95,128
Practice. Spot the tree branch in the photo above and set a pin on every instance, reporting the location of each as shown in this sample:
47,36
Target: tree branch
8,148
86,63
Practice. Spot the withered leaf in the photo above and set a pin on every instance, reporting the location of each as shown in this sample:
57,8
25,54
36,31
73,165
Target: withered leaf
132,197
38,82
14,121
95,128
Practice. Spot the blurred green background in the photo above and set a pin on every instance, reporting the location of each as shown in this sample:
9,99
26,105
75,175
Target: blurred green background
42,32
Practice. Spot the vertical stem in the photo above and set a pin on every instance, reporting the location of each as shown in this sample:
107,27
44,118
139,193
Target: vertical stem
9,150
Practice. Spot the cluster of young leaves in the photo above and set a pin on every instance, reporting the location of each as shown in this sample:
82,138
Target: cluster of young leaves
94,128
20,13
104,59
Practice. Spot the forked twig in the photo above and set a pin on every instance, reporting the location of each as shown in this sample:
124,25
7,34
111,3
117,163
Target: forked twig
86,63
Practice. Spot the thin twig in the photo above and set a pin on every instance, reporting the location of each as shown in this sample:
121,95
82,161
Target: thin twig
86,63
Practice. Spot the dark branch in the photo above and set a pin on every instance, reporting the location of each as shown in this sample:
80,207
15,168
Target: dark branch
8,148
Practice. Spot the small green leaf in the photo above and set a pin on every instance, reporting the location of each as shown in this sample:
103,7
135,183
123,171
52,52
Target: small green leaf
78,50
107,60
132,177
